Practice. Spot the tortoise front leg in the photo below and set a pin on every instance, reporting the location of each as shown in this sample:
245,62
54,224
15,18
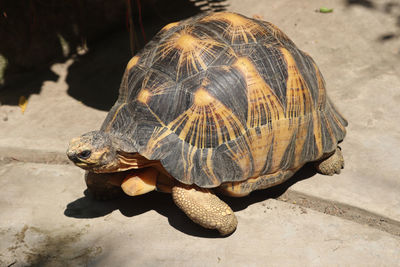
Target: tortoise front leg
104,186
204,208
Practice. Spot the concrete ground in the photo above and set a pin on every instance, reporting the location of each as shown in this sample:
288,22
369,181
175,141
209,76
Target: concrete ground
351,219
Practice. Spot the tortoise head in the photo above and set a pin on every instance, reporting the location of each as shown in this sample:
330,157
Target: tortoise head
93,151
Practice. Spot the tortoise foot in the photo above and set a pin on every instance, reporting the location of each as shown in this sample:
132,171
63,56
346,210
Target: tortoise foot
332,164
100,188
205,208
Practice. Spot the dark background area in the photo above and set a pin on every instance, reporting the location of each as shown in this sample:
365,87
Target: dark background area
101,36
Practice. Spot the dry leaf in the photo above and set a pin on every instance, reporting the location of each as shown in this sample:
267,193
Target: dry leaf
22,103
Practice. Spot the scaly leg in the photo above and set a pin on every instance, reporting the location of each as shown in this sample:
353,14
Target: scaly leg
332,164
204,208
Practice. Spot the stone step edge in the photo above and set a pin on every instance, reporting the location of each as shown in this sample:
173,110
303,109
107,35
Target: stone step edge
16,154
342,210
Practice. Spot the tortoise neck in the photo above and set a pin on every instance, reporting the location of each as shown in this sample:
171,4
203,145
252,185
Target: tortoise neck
129,161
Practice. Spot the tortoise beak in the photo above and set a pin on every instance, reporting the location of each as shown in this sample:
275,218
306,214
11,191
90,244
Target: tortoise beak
77,152
73,157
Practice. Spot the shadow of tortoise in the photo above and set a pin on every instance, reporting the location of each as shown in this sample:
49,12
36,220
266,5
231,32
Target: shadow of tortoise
86,207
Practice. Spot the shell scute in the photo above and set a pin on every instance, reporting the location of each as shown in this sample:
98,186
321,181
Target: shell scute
187,52
235,28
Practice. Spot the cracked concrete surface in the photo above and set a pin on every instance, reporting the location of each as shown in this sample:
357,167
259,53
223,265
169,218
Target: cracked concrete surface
348,219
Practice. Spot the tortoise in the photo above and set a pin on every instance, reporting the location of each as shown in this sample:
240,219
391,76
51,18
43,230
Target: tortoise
219,103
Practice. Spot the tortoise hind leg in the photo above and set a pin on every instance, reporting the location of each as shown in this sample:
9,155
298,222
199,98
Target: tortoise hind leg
204,208
331,164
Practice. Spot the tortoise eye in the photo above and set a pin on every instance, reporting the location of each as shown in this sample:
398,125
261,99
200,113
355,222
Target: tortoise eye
85,154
